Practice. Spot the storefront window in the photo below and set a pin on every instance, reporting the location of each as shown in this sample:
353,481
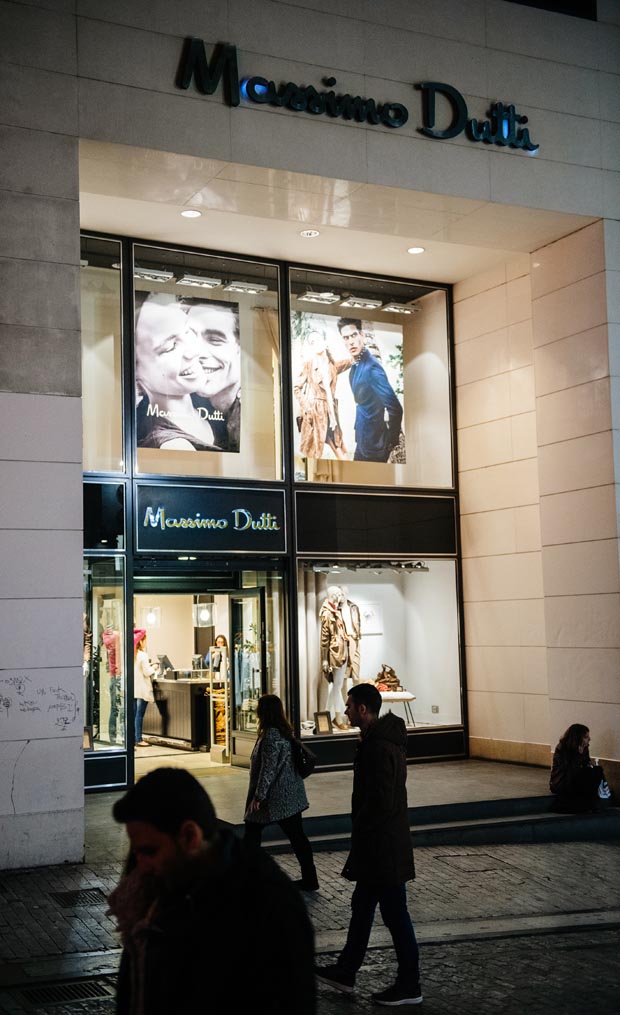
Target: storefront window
371,389
394,624
105,681
207,366
102,388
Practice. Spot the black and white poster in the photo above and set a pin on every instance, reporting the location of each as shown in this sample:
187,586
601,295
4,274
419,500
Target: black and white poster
348,388
188,373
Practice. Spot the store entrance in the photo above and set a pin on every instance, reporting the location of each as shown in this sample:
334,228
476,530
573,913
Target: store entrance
208,652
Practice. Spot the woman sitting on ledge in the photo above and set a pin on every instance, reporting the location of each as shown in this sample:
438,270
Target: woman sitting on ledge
575,779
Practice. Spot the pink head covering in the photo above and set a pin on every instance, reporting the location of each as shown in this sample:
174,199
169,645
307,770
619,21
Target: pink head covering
138,635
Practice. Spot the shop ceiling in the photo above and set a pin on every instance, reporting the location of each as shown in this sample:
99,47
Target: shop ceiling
261,212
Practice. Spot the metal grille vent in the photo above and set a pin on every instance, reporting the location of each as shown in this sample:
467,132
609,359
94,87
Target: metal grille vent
80,897
61,993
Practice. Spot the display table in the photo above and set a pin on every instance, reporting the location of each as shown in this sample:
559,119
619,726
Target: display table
403,696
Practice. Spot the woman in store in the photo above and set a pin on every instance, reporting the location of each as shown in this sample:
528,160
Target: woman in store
315,391
142,683
578,784
215,657
168,370
276,792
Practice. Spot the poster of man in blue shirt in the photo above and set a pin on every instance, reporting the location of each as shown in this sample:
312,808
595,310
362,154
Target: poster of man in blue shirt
378,412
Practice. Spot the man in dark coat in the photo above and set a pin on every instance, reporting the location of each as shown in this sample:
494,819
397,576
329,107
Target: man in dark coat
381,857
203,916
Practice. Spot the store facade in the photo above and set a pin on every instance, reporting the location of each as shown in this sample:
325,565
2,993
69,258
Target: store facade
242,486
486,134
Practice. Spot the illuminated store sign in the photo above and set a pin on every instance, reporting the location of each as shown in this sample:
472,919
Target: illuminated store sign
192,519
504,126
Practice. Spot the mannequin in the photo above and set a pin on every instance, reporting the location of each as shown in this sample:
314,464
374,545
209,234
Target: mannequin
334,652
111,639
353,625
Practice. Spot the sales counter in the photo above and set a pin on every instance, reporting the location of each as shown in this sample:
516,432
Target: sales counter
180,712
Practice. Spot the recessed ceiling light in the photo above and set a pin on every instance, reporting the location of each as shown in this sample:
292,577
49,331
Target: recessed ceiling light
415,250
191,213
309,234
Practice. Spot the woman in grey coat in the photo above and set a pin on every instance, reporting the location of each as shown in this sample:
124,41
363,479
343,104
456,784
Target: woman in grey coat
277,793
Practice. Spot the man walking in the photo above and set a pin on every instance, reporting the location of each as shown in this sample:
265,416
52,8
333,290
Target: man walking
381,857
374,398
201,914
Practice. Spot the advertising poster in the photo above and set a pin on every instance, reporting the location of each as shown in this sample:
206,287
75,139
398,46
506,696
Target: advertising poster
348,388
188,373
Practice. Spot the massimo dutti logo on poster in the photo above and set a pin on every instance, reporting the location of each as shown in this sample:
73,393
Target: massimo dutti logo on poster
504,127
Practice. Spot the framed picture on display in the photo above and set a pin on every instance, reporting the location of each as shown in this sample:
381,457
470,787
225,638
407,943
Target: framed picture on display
323,722
371,618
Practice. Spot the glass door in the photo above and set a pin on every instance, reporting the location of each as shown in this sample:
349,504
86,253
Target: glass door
247,618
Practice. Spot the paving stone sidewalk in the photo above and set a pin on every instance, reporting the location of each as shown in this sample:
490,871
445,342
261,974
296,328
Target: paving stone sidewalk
495,961
452,884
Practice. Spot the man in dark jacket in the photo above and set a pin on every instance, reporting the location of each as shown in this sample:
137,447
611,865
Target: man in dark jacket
204,917
381,857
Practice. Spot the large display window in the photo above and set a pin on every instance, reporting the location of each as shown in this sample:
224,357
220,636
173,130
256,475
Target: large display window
206,365
105,678
371,386
392,623
102,383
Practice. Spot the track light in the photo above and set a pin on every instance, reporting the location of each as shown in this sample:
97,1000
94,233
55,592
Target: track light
245,287
400,308
200,281
325,297
360,303
152,274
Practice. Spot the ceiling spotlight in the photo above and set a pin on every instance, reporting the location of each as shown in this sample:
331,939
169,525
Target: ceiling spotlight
415,250
309,234
401,308
245,287
360,303
191,213
312,297
152,274
201,281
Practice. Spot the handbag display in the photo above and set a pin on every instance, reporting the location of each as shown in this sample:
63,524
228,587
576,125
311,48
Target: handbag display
304,759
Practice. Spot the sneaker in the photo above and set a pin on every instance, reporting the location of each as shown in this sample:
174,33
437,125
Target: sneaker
399,995
336,977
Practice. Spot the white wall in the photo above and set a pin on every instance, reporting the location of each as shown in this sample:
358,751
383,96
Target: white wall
500,516
575,310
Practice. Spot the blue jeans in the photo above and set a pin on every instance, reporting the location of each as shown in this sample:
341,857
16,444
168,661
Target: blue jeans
140,709
392,902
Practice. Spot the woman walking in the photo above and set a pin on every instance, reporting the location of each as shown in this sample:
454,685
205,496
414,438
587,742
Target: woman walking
277,793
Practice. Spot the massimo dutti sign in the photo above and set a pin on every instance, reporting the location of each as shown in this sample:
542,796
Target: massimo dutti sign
191,519
504,126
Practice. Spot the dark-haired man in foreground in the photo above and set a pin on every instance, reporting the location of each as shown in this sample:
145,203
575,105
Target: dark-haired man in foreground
381,856
204,917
